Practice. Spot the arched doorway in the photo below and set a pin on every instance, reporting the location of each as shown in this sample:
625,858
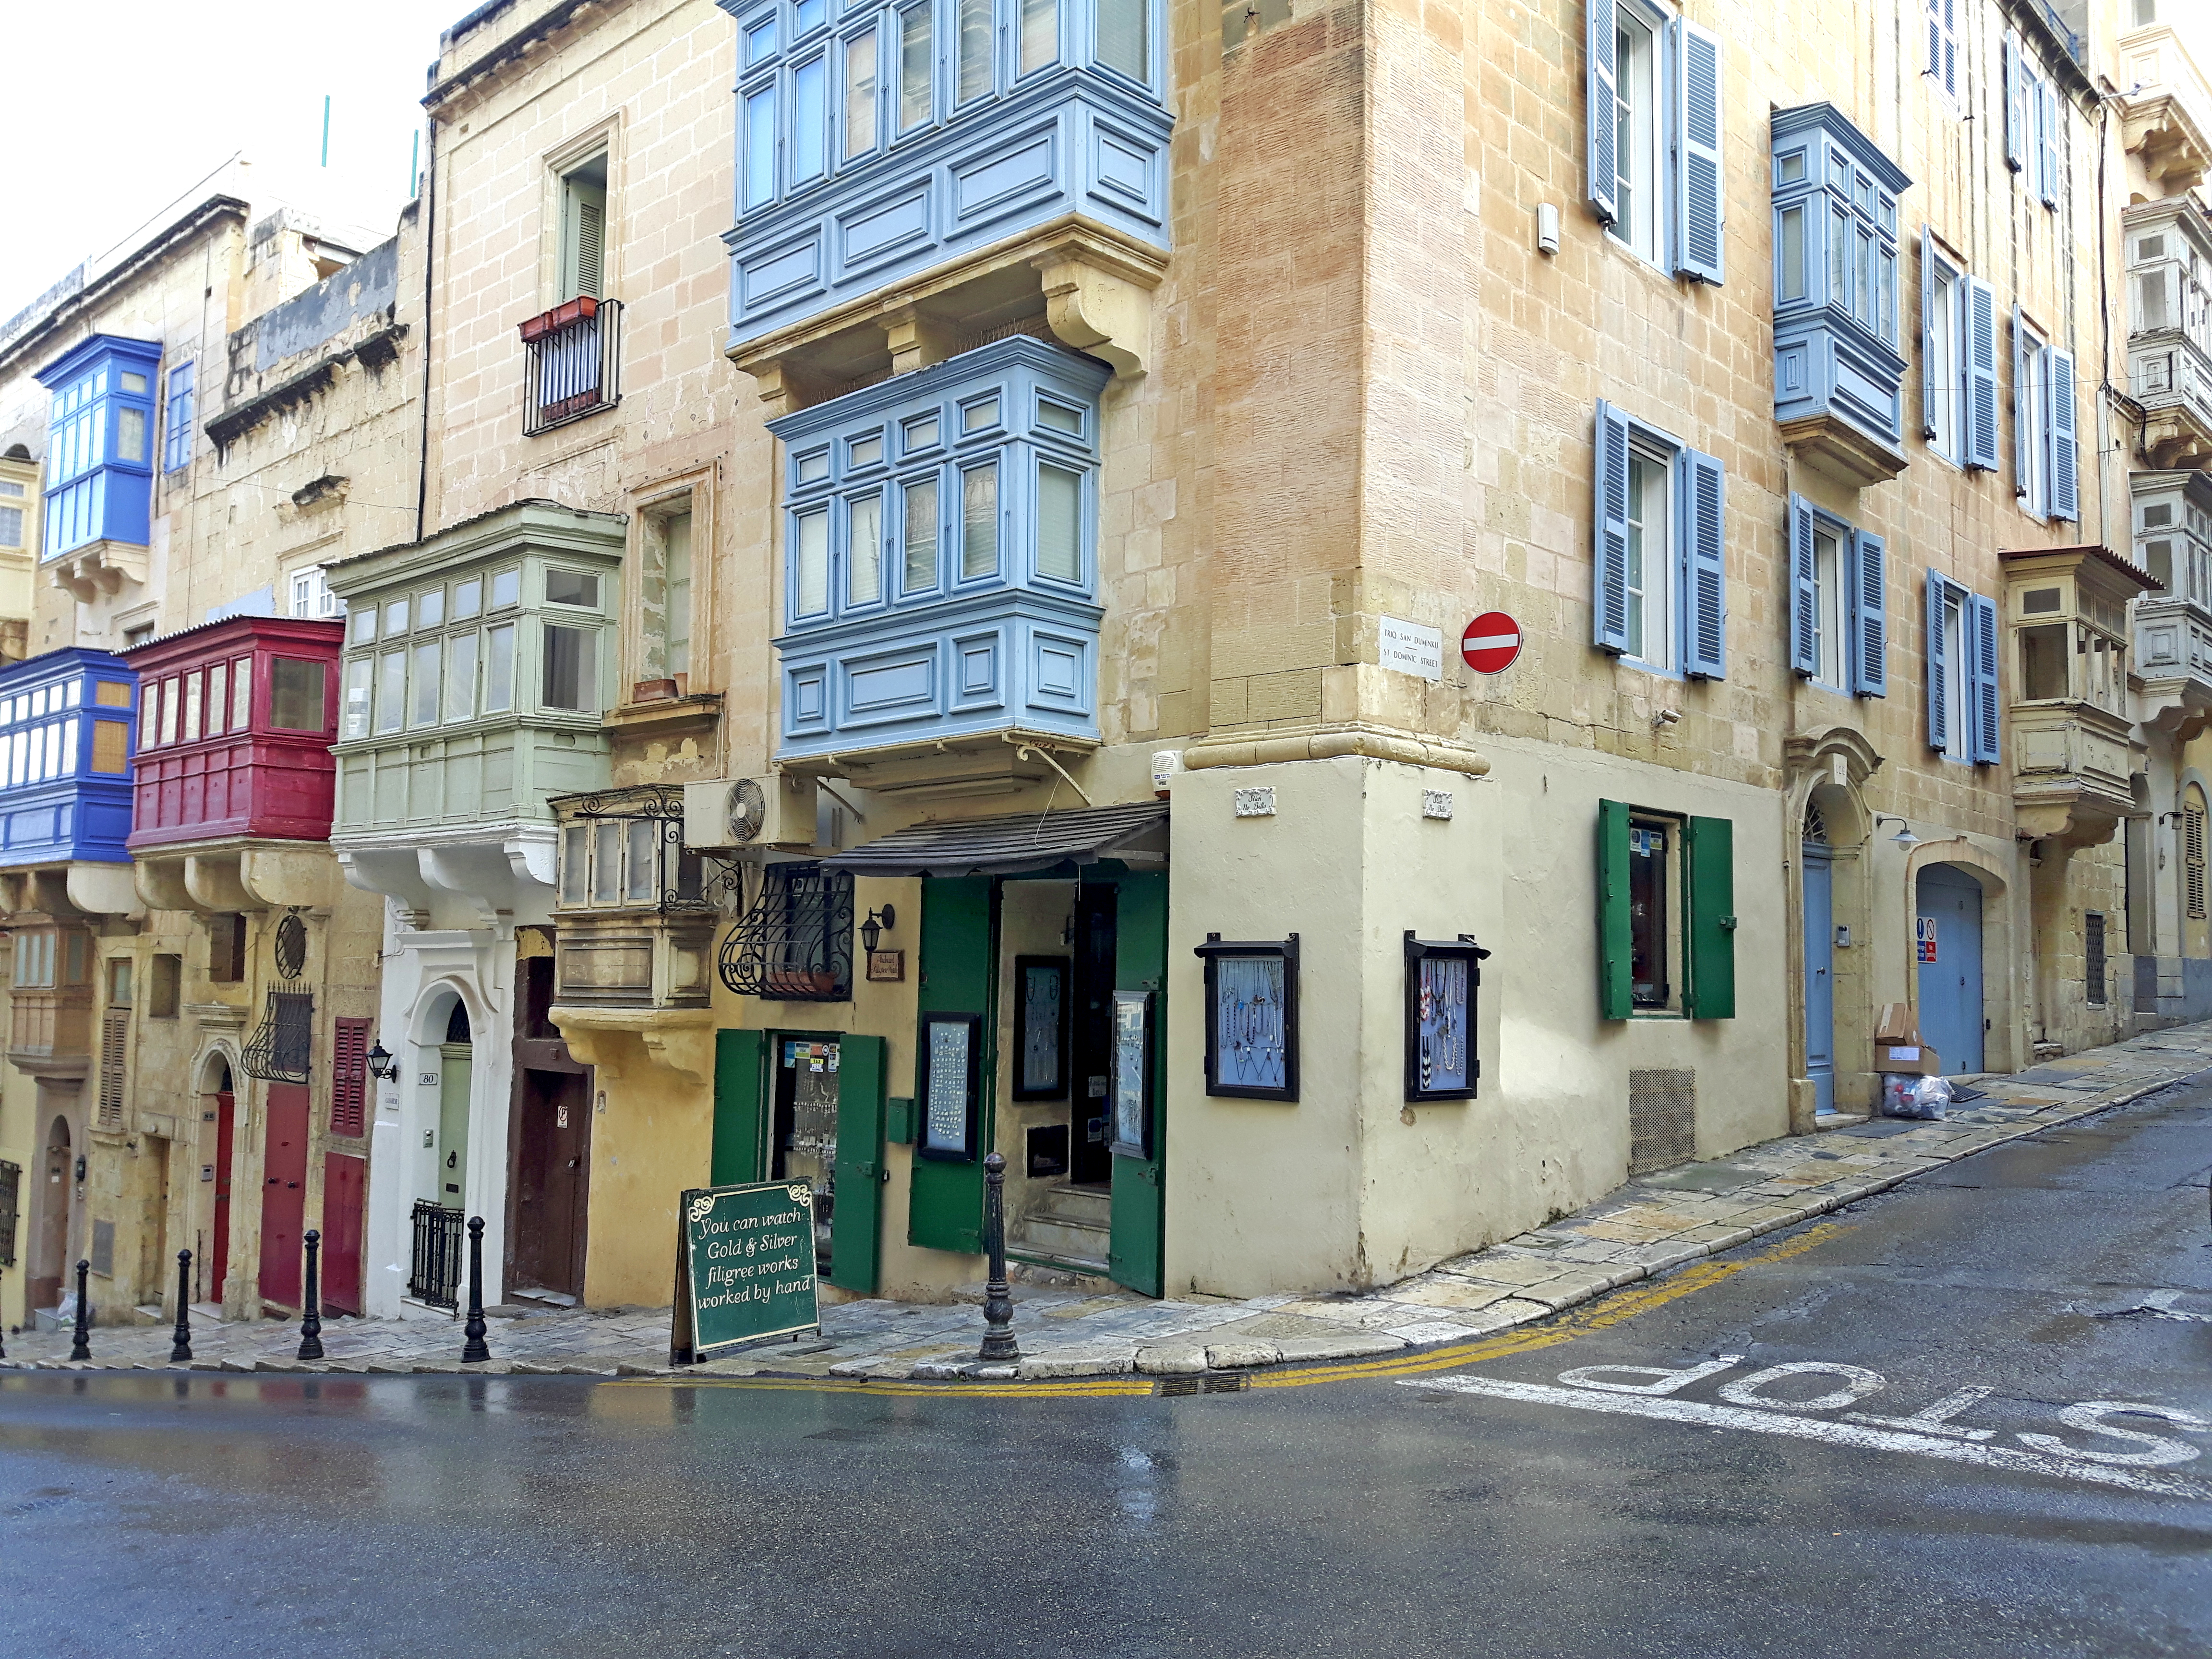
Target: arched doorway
1947,954
50,1250
223,1102
456,1056
1819,930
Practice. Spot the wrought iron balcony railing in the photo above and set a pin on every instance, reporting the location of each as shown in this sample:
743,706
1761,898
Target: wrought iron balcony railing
575,362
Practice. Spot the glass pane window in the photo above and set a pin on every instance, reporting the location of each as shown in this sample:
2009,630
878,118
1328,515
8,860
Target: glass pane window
919,433
570,680
295,692
1651,547
607,862
809,117
917,61
811,584
979,521
976,75
920,536
760,147
575,856
1789,277
428,682
864,549
217,704
980,415
860,93
505,589
1828,608
577,587
430,608
665,598
395,618
1125,37
461,677
499,669
1040,34
131,434
171,699
363,626
241,692
194,689
1636,132
357,696
1648,900
1060,522
639,880
391,691
468,598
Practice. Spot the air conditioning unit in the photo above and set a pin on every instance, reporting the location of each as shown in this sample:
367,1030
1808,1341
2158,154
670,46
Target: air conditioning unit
775,811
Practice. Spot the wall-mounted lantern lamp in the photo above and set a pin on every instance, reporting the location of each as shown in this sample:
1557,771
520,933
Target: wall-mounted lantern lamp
382,1066
878,922
1903,838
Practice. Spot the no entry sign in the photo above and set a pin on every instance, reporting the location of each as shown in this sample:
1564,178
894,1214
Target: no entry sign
1490,642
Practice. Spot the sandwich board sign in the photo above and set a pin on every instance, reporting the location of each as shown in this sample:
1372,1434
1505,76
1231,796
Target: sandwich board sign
744,1267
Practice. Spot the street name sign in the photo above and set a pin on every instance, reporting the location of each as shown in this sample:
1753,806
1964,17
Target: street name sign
1411,647
744,1267
1491,643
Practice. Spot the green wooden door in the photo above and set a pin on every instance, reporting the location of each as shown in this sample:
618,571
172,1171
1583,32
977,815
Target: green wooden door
856,1222
741,1135
1138,1203
959,961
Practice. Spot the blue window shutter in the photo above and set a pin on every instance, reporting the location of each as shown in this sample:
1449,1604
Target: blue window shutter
2046,132
1939,717
1804,652
1699,178
2015,109
1869,588
1982,636
1609,594
2023,415
1705,493
2058,429
1981,343
1949,69
1603,99
1929,391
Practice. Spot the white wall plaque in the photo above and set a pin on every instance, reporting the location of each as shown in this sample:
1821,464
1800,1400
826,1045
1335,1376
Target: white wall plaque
1411,649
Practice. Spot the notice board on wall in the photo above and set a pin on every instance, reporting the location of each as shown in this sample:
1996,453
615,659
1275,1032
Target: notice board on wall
744,1267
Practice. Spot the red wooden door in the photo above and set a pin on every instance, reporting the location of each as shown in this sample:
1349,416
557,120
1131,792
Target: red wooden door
344,1178
218,1265
283,1194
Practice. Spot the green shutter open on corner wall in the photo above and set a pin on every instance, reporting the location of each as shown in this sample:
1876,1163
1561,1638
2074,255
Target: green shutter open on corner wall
738,1137
1615,948
1709,918
856,1221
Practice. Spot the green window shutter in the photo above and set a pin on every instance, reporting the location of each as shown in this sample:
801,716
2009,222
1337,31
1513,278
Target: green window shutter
1709,918
737,1144
856,1221
1614,992
959,955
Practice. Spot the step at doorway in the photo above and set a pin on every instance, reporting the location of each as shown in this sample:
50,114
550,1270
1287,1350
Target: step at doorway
1070,1223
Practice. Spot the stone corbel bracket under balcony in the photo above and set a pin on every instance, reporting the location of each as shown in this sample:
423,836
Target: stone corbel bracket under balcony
252,876
79,890
97,568
631,1044
1093,286
2160,127
495,880
2072,771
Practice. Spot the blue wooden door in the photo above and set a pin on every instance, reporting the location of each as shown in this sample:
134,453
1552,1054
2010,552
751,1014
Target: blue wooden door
1819,976
1948,948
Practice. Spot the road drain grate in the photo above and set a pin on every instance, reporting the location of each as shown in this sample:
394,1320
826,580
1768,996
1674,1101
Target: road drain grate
1211,1382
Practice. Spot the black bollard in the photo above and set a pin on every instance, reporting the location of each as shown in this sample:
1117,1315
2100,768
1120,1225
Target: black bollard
999,1344
475,1350
181,1348
82,1347
311,1315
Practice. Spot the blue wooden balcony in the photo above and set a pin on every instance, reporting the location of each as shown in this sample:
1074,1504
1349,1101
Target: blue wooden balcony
66,740
940,563
889,139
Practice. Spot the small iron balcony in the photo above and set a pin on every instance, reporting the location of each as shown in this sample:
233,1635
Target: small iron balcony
575,363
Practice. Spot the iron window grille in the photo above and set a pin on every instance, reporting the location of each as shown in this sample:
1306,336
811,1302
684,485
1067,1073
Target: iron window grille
575,363
1251,1018
283,1045
434,1268
626,852
795,945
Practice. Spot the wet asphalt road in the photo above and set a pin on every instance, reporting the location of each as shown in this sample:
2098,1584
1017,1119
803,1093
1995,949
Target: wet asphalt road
1379,1515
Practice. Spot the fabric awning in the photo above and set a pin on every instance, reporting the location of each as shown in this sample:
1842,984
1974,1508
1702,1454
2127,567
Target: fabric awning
1011,845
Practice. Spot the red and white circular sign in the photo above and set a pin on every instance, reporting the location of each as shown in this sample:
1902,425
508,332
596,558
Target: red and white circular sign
1490,642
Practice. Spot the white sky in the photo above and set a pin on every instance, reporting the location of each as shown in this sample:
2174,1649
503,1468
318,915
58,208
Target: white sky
114,109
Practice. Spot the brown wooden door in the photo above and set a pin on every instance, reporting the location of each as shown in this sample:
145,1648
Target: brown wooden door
50,1259
345,1178
226,1119
283,1194
553,1162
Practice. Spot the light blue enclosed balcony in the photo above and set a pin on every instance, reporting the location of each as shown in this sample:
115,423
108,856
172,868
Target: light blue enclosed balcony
1839,372
877,142
941,570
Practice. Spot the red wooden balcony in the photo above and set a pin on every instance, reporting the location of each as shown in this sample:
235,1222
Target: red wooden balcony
235,725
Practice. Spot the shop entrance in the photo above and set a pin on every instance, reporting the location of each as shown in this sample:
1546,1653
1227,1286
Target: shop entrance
550,1191
284,1194
803,1136
1947,950
218,1251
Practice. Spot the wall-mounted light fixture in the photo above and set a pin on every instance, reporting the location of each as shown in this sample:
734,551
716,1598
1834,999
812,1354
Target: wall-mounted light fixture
873,930
382,1066
1904,837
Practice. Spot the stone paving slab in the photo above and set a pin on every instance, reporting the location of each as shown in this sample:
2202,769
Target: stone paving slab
1648,1226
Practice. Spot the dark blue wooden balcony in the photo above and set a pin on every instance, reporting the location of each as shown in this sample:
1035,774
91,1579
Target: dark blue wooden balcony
66,742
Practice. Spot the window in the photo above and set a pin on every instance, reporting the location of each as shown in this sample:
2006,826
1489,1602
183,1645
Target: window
1962,673
225,936
2192,853
1654,98
1838,612
571,669
860,93
119,982
164,982
312,597
12,496
976,75
295,694
1040,35
795,944
1125,37
584,230
2044,461
177,433
2034,122
916,68
350,1077
664,596
562,587
1667,921
1661,592
99,472
1943,46
1944,372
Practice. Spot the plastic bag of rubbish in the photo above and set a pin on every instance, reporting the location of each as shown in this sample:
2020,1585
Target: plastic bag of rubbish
1924,1097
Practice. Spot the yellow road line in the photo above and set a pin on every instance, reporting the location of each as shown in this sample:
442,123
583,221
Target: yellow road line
1597,1316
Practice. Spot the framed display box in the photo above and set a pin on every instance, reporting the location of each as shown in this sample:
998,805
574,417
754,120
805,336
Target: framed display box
1129,1118
1251,1018
1441,979
951,1093
1041,1002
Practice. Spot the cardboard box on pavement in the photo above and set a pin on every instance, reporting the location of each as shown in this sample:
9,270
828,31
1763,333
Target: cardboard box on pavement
1897,1044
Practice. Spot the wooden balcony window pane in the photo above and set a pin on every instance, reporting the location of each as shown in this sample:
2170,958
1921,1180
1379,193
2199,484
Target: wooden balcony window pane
193,689
241,693
429,683
641,880
2043,662
468,598
921,536
391,691
976,78
171,695
607,862
356,702
812,597
979,528
865,551
68,747
916,62
1040,34
571,669
1060,522
431,608
110,747
461,677
218,684
860,93
575,854
499,669
149,714
296,693
1125,37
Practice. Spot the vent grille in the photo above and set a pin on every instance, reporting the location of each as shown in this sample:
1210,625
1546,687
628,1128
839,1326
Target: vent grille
1662,1119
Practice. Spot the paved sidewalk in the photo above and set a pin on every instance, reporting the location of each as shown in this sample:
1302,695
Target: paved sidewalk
1652,1224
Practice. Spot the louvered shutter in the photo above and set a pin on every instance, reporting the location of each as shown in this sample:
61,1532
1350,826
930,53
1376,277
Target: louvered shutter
2192,858
2058,430
1704,497
1609,597
1616,942
1939,712
2024,413
2016,104
1981,344
1698,180
1804,594
1982,633
1870,564
1931,391
114,1037
1709,923
350,1077
1947,70
2047,117
1602,83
